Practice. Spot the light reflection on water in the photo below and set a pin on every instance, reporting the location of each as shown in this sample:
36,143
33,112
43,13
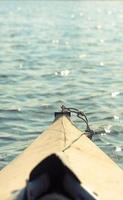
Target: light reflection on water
71,55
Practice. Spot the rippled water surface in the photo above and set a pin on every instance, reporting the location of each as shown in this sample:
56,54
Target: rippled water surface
60,52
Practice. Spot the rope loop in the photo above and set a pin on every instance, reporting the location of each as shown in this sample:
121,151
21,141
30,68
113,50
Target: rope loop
88,132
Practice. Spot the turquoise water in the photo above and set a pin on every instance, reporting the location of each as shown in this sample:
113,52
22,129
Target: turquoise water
60,52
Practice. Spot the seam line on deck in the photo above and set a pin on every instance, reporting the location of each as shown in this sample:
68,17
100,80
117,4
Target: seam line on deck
72,143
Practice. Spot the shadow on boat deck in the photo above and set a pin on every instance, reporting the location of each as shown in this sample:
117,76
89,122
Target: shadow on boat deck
51,179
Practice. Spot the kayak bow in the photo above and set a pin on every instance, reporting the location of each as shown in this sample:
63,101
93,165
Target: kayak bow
77,164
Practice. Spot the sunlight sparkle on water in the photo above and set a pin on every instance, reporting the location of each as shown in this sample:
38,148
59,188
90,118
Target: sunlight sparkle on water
116,117
99,27
55,41
118,149
108,129
101,41
109,12
101,63
81,56
114,94
63,73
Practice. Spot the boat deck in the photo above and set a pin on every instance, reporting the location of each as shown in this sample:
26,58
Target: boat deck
95,170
